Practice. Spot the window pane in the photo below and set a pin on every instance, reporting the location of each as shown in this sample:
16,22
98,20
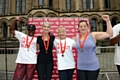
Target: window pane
84,4
107,3
23,2
114,21
40,2
68,4
23,5
17,9
17,6
93,25
4,29
6,6
1,6
104,26
91,4
50,3
6,11
23,9
1,1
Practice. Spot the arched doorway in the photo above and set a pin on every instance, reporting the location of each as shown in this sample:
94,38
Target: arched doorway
114,21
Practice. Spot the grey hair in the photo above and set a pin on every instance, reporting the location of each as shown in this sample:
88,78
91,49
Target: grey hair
61,28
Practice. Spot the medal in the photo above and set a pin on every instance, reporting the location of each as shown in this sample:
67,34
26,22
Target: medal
46,44
28,44
82,44
62,48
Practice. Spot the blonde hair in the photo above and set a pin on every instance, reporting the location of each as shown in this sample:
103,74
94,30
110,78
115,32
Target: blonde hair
62,28
46,23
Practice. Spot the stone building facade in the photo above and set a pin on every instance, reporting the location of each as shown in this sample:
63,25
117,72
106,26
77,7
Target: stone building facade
92,9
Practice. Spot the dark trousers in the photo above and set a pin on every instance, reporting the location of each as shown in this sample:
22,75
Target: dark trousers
44,71
88,75
24,70
65,74
118,67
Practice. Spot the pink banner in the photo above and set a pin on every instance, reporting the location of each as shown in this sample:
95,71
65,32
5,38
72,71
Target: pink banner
71,25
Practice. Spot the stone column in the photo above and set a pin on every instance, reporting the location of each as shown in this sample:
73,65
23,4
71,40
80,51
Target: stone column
101,3
46,2
77,2
80,4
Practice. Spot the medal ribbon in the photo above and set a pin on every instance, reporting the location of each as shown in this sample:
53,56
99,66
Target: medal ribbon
28,44
62,48
46,45
82,44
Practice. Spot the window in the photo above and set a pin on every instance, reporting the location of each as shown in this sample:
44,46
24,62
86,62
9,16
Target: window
4,6
87,4
23,27
104,26
68,4
114,21
5,29
107,3
16,27
20,6
93,25
51,3
40,2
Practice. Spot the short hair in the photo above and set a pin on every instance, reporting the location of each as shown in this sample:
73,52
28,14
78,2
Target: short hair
82,21
46,23
62,28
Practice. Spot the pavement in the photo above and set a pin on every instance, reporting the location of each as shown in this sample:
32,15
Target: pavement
111,76
108,70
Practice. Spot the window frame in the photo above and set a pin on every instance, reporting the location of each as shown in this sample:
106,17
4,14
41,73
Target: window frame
68,5
20,7
4,6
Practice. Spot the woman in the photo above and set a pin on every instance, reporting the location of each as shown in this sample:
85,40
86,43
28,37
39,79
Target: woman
45,57
65,58
88,64
26,58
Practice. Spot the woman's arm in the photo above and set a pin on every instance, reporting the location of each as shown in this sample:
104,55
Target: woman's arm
12,26
107,34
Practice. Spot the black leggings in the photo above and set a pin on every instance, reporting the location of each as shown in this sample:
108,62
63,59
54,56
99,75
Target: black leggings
118,67
88,75
65,74
44,71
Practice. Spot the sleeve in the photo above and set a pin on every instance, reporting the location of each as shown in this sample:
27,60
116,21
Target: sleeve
116,30
72,42
18,34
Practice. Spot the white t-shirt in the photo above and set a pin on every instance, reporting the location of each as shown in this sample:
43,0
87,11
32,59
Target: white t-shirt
24,56
66,62
116,30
